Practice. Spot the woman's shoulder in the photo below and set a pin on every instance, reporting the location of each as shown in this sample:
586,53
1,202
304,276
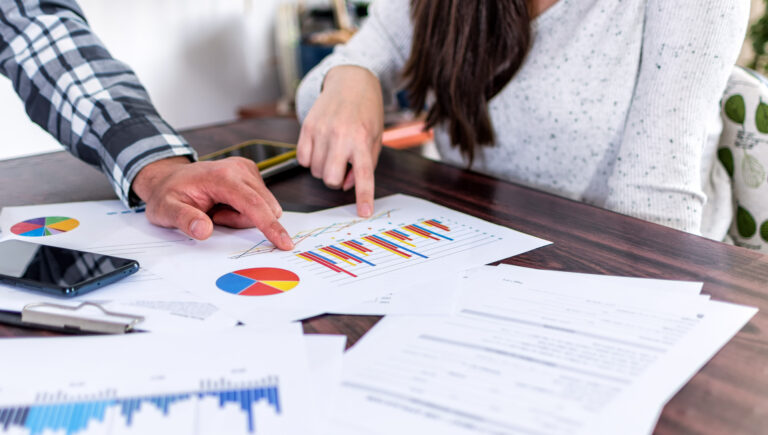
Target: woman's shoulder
697,28
697,14
391,20
391,11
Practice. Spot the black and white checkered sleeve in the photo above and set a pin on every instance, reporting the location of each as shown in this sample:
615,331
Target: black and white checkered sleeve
72,87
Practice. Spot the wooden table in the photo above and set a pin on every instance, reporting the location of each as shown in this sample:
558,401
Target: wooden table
730,394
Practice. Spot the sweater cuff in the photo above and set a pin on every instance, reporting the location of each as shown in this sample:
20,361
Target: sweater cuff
312,85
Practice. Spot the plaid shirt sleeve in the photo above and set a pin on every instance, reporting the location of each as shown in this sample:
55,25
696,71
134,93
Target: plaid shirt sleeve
73,88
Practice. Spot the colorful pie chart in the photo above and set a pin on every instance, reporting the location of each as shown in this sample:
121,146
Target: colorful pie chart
259,281
44,226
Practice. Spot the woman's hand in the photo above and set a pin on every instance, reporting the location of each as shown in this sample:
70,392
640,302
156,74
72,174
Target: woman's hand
344,126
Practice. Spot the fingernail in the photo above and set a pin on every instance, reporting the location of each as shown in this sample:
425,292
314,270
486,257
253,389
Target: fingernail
196,228
286,239
365,209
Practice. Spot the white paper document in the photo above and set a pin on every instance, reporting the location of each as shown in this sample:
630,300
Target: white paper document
238,382
325,354
105,227
522,356
340,260
429,298
609,283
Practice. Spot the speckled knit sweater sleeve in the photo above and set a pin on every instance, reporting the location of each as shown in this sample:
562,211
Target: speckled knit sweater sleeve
613,106
689,49
381,46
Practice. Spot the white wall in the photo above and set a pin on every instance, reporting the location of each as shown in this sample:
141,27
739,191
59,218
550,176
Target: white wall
199,59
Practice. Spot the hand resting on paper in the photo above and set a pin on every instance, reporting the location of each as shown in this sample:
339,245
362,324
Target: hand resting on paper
179,194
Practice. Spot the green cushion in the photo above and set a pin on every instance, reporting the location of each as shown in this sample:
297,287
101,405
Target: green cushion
743,152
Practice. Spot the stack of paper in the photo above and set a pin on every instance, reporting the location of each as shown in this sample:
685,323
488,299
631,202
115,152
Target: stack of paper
532,351
500,350
238,382
341,263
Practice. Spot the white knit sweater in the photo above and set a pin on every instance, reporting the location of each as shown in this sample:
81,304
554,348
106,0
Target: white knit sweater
616,104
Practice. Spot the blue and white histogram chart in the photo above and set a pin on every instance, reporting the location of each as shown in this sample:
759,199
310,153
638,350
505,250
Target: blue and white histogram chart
214,405
236,381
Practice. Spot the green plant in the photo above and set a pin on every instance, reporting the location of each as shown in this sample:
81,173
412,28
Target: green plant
758,33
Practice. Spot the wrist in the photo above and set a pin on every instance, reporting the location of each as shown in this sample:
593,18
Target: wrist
152,174
341,77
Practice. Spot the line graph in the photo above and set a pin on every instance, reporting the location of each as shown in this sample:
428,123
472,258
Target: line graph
264,246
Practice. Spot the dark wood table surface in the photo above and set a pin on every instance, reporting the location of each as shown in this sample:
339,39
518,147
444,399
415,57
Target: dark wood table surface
729,395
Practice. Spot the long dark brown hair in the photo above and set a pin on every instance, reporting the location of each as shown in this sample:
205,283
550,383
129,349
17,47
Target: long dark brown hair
465,52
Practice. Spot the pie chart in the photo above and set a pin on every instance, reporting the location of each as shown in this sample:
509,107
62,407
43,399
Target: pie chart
44,226
259,281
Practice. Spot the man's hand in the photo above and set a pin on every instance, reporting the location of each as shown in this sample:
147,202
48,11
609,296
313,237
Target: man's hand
179,193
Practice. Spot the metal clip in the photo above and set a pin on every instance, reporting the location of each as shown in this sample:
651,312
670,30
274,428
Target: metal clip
32,313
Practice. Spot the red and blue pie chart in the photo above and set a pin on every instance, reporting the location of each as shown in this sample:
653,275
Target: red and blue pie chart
45,226
258,281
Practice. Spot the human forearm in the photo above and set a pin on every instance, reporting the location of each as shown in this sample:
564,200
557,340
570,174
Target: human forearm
689,48
381,46
71,86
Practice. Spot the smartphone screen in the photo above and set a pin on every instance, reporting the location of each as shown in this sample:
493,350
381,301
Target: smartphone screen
59,270
256,152
271,158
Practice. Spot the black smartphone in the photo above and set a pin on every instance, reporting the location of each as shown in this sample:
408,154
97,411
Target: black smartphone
59,271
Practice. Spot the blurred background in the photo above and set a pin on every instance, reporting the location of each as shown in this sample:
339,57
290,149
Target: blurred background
212,61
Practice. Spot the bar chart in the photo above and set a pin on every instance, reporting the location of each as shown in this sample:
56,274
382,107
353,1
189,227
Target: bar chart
105,414
391,248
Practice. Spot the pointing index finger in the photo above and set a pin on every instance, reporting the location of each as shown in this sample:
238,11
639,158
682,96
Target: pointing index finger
248,202
364,184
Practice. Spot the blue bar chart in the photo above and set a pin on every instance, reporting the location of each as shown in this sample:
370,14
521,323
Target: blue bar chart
120,414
